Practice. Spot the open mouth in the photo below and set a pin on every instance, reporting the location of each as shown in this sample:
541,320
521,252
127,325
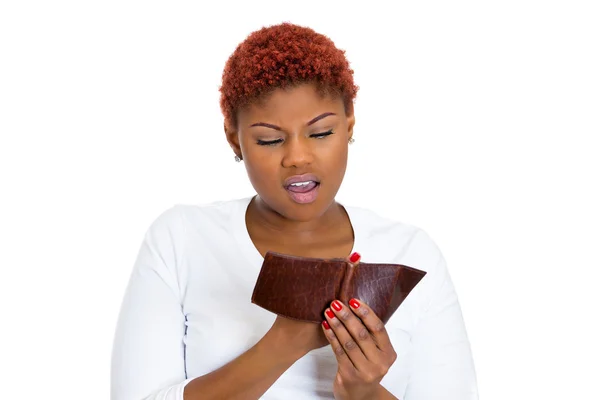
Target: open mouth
302,187
303,192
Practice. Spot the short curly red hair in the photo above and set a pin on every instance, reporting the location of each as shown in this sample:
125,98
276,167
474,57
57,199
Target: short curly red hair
281,56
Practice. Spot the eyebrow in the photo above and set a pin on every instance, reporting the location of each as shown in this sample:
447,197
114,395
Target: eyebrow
312,121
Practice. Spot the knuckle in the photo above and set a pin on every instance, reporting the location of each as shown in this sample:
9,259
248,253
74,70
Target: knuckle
370,378
352,375
364,334
350,345
344,315
335,323
379,327
364,311
383,370
339,351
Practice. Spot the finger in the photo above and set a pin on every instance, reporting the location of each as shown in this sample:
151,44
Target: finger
373,324
359,332
353,259
340,328
343,360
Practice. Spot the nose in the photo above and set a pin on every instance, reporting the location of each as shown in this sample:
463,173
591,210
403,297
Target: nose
298,152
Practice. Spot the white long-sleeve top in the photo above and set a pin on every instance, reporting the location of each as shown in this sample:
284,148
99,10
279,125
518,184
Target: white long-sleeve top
187,310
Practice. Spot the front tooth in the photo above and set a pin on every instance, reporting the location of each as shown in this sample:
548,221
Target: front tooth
301,183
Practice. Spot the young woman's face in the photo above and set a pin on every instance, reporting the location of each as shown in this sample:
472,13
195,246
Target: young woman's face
295,148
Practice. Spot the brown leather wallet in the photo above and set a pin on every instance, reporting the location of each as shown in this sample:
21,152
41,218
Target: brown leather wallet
302,288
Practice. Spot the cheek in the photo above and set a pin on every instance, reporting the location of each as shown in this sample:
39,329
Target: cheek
262,170
335,156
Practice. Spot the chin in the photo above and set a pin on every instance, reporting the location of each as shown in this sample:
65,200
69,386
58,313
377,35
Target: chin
305,212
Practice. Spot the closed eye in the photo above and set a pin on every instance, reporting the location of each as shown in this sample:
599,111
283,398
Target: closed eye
274,142
268,142
322,135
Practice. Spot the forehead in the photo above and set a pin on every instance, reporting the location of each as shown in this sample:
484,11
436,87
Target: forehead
290,105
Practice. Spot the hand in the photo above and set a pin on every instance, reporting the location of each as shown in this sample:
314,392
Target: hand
362,348
296,337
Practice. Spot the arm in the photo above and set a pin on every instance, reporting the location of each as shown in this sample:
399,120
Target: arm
148,360
248,376
148,348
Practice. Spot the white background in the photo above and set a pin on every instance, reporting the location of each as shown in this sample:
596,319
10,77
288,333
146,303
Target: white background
477,121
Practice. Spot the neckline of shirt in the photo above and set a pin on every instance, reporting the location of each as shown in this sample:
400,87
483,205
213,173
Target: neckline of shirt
251,253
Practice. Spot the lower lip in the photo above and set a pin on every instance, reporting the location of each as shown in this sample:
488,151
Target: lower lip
305,198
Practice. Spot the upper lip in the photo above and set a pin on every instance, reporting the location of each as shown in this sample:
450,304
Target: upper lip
300,178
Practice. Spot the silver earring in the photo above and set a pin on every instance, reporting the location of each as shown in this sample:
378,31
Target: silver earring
351,140
237,158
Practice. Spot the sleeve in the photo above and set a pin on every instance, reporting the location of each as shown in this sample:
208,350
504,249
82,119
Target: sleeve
148,349
440,359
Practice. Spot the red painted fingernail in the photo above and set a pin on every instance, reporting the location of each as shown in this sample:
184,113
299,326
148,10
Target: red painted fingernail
326,325
330,313
337,305
354,304
354,257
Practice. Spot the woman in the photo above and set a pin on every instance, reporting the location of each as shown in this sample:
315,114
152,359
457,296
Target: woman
187,328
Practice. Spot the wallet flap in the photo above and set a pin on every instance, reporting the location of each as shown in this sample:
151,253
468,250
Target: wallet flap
408,280
383,287
374,285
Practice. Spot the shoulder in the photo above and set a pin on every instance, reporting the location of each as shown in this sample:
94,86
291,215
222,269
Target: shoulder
168,237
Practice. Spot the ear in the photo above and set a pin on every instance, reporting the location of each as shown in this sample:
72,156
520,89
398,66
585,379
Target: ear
233,139
351,120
